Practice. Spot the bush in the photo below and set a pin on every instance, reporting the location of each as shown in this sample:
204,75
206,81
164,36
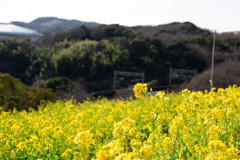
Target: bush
89,59
225,74
35,97
14,94
152,83
59,82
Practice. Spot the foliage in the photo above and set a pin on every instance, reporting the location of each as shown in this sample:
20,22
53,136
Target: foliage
77,34
225,74
90,59
58,82
21,59
152,83
94,53
15,57
14,94
188,125
36,97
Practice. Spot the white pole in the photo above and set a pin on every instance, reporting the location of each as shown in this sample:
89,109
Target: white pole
213,50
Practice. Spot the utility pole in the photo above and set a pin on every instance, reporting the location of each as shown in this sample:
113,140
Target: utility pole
213,50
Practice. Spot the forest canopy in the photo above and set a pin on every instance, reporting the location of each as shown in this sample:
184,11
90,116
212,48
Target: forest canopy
94,53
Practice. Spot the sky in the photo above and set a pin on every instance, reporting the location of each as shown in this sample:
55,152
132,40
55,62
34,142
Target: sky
218,15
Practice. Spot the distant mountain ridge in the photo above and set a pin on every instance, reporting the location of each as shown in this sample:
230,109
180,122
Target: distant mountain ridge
54,24
234,32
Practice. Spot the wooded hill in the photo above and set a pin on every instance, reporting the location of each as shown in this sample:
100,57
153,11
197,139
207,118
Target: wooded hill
94,53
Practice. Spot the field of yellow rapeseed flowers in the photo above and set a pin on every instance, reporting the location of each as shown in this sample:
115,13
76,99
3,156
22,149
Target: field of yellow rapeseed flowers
188,125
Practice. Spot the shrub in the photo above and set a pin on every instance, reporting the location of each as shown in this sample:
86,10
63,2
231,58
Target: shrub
35,97
152,83
225,74
14,94
58,82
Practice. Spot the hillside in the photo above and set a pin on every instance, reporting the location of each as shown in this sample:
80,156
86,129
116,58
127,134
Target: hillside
93,54
54,24
167,33
171,32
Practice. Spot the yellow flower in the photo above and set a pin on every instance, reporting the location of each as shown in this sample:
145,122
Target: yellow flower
110,150
118,130
146,151
84,139
110,118
15,128
80,116
64,155
70,106
33,138
132,132
21,146
156,127
68,151
139,89
126,156
57,129
102,155
160,95
214,132
135,143
100,134
216,144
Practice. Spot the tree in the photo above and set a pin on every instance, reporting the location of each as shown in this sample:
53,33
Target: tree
14,94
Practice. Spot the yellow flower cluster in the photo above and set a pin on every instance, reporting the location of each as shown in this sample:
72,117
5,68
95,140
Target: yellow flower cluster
84,139
188,125
139,90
